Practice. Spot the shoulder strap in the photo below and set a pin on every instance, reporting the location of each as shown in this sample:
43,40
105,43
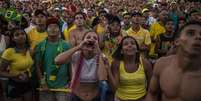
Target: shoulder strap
77,71
97,60
102,73
141,62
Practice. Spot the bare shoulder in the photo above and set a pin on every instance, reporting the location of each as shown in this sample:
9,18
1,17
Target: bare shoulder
163,63
166,59
72,31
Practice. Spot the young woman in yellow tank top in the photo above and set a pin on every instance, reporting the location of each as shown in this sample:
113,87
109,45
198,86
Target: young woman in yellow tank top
129,73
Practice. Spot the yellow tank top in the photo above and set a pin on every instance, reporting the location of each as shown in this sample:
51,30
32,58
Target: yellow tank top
132,86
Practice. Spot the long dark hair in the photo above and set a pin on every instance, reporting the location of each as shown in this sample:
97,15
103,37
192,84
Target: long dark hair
118,55
13,44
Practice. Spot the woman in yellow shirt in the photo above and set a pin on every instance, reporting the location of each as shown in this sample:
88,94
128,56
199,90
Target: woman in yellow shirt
16,64
129,73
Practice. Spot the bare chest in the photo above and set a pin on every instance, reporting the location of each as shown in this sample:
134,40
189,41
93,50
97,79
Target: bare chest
79,34
176,84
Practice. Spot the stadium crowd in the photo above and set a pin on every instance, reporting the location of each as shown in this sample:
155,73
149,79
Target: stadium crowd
100,50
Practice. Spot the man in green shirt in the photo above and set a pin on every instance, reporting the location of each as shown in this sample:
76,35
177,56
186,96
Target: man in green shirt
50,75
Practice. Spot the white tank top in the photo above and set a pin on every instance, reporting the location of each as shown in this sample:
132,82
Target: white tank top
89,71
2,44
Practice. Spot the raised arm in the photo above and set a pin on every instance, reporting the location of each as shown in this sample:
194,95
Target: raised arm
66,56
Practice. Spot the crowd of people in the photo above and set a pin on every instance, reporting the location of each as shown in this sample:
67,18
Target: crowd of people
100,50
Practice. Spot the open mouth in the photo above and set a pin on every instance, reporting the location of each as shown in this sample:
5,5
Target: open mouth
197,46
90,45
90,48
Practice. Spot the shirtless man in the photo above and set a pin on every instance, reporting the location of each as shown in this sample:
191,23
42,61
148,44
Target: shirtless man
75,36
178,77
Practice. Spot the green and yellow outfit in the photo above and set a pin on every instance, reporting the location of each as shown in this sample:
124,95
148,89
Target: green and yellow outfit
56,76
110,45
10,14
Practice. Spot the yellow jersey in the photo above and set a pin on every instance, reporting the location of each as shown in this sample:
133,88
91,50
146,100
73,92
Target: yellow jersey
155,30
36,37
19,62
142,36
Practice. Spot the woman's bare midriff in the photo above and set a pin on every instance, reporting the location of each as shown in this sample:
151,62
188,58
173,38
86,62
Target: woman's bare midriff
87,91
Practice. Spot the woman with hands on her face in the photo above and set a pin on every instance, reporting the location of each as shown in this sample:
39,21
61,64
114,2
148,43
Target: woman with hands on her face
89,80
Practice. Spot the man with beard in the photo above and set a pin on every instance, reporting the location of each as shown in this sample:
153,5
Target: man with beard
180,80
